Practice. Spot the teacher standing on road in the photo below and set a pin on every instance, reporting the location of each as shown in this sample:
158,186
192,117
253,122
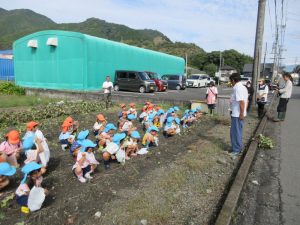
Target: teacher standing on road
107,87
238,105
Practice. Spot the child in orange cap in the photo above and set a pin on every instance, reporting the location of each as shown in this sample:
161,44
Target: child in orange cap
100,124
71,124
32,130
12,147
132,109
123,109
150,109
122,120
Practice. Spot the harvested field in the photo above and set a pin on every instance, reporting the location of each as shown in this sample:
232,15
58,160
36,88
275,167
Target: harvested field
179,182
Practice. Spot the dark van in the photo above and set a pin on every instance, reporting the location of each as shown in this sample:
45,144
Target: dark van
175,81
133,81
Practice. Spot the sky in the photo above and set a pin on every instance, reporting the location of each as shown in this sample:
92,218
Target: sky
211,24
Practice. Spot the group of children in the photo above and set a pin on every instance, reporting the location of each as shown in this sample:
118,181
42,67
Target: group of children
112,142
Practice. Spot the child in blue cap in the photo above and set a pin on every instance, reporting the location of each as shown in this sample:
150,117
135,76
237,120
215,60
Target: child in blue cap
76,145
86,162
170,128
110,151
128,126
6,171
106,136
150,138
131,144
33,171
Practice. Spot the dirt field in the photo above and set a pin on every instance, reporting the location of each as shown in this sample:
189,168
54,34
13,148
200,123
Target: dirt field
179,182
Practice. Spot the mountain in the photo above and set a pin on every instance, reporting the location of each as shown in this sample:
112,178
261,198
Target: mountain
17,23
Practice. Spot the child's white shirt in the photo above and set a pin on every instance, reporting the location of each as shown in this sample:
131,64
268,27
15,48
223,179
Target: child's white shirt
97,126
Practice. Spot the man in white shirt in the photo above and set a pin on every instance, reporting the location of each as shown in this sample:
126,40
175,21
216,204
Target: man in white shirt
238,105
107,87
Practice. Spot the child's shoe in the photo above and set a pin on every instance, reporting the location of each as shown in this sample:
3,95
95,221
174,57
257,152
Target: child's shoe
88,176
82,179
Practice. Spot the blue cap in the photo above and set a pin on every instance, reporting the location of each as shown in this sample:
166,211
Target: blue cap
193,111
199,108
170,119
118,137
177,120
64,136
152,128
171,110
186,111
29,168
83,134
109,127
135,134
28,143
160,112
151,117
176,108
131,117
6,169
85,144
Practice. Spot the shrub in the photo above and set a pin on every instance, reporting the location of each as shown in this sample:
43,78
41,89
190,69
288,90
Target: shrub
9,88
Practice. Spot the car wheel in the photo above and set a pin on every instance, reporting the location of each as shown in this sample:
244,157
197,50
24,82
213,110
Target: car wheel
142,89
178,87
116,88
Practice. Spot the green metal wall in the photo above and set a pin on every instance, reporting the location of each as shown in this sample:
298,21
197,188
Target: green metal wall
81,62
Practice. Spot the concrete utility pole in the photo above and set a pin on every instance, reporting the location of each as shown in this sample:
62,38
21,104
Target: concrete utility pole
258,44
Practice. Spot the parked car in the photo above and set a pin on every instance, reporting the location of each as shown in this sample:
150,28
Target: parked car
198,80
175,81
133,81
161,85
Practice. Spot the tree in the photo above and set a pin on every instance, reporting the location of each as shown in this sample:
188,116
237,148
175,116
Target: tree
210,69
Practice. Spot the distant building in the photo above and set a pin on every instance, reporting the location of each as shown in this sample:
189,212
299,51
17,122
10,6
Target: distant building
265,71
226,72
6,65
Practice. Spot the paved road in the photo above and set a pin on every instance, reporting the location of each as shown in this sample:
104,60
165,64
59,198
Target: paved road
276,200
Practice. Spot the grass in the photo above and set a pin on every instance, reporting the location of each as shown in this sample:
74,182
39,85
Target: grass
8,101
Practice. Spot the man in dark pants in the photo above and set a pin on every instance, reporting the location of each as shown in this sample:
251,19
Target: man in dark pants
107,87
238,105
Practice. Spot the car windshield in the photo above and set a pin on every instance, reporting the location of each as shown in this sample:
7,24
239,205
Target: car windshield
153,76
144,76
194,77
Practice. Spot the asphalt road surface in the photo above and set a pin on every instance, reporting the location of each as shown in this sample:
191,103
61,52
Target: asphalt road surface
276,198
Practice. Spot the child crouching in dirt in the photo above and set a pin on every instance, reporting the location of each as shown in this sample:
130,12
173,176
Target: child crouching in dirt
109,153
6,171
150,138
100,124
35,179
75,147
128,126
66,140
106,136
131,145
170,128
86,162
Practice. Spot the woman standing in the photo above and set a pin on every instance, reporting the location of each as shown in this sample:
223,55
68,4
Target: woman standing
211,97
261,97
285,94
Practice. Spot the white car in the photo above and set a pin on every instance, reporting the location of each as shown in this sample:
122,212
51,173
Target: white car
198,80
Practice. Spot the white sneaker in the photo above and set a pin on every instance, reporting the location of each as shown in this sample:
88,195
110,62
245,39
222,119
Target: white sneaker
82,179
88,176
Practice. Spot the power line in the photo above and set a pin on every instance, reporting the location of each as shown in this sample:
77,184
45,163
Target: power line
270,17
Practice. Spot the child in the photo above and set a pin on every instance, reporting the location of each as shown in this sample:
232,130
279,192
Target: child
71,124
123,109
32,130
150,109
156,121
186,119
148,122
170,128
211,97
132,110
75,147
86,162
99,124
128,127
170,113
12,148
150,138
177,125
34,151
109,153
66,140
131,145
6,171
122,120
143,114
106,136
35,179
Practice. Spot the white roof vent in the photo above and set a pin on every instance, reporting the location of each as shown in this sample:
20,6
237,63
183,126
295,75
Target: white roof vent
32,43
52,41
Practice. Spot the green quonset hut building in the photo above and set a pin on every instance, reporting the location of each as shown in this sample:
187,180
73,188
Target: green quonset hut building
54,59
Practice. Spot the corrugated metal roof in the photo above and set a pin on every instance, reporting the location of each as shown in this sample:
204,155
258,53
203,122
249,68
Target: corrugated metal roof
6,52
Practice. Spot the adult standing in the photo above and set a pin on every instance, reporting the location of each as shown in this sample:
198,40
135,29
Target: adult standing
285,94
107,87
238,105
211,97
261,97
250,94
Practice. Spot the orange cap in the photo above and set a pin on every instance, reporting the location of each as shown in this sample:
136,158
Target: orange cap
132,104
100,117
31,125
157,108
124,113
150,106
123,105
65,126
69,120
148,103
13,137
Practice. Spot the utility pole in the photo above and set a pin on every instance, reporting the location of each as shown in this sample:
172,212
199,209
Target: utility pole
264,65
258,44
